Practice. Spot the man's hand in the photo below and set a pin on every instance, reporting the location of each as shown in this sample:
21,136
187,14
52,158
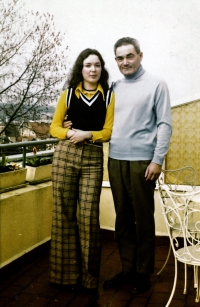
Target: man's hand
153,171
67,123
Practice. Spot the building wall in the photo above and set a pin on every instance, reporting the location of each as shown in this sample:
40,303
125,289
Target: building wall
184,147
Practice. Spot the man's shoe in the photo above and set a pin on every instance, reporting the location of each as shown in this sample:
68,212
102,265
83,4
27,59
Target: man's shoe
142,284
118,280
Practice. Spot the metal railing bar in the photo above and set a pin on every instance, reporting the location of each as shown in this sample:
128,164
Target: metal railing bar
27,144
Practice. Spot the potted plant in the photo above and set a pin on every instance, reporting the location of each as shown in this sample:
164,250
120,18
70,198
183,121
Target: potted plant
12,175
38,168
4,166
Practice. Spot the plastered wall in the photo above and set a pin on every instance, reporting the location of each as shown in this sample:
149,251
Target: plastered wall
25,220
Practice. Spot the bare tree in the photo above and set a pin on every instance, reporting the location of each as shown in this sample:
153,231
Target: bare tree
32,62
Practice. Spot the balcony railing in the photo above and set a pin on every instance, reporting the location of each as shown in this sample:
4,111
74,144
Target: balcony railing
24,146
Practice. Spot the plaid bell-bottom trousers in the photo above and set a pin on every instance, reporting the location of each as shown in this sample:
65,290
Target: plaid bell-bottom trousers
77,173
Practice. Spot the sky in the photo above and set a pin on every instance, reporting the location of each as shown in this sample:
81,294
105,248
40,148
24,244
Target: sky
168,32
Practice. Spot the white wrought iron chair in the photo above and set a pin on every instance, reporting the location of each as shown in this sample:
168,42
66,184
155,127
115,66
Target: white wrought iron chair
180,211
182,179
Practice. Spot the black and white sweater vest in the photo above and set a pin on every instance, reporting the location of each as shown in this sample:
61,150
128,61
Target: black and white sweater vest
87,114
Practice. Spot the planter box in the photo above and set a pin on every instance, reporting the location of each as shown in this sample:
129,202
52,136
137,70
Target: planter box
13,179
38,173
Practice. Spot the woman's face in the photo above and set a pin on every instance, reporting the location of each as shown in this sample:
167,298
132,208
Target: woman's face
91,71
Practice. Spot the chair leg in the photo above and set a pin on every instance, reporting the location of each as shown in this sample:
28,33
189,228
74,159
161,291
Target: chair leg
195,276
164,265
174,285
197,280
185,284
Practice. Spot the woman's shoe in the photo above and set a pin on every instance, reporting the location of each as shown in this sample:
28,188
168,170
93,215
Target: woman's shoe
90,290
68,288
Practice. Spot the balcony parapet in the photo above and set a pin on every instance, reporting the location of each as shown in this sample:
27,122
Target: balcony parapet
25,220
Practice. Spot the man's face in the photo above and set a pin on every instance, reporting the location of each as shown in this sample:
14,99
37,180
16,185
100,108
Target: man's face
128,60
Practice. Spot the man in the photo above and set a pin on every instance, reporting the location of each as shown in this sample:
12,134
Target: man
138,145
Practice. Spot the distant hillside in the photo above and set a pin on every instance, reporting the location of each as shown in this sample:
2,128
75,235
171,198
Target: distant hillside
47,111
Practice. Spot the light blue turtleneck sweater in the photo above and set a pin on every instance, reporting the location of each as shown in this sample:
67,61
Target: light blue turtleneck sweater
142,118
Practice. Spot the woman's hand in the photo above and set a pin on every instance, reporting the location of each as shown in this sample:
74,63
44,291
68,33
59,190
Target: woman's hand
80,136
69,134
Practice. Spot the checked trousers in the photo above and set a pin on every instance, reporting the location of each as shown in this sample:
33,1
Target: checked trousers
77,173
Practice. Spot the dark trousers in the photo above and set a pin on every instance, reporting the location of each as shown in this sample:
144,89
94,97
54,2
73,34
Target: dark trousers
134,204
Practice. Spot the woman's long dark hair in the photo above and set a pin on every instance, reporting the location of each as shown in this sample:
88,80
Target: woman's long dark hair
76,76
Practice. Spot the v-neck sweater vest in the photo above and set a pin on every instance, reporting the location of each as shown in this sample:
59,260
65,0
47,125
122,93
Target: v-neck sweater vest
87,114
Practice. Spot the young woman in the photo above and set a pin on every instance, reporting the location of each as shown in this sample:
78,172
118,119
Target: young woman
77,172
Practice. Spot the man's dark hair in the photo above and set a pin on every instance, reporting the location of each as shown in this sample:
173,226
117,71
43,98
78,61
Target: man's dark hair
76,74
127,41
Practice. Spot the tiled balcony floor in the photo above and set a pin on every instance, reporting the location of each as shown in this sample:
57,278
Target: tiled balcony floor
29,285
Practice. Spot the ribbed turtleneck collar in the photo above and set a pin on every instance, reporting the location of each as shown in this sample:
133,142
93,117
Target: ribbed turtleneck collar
136,75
